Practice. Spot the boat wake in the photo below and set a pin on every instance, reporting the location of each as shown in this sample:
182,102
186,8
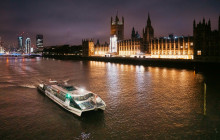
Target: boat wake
28,86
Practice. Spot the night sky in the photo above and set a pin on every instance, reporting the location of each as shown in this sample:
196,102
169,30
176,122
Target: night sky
69,21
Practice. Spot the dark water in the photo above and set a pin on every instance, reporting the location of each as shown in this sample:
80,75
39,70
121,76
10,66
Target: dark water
142,102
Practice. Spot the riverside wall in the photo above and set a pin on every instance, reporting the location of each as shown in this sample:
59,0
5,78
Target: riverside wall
196,65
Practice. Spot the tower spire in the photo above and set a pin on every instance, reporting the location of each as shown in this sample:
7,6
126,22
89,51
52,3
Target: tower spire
194,24
148,20
148,16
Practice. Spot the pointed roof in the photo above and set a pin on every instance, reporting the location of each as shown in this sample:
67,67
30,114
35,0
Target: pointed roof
148,20
133,29
148,16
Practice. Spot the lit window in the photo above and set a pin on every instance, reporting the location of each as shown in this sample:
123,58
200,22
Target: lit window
199,52
191,43
181,47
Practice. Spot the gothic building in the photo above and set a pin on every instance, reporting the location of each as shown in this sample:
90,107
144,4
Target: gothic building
206,41
117,28
118,45
148,34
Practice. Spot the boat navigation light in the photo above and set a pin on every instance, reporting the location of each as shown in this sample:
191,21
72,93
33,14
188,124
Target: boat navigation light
81,89
67,95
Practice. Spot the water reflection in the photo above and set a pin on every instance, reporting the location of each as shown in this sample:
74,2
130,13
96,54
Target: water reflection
142,102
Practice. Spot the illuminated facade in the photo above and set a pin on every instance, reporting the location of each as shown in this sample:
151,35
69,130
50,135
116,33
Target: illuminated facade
1,47
89,48
172,47
101,49
129,47
113,44
206,41
28,46
148,46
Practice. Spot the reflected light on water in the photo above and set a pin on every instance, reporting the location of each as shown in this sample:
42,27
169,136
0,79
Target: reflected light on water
142,102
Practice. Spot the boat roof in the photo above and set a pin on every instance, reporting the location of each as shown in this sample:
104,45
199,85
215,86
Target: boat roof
75,91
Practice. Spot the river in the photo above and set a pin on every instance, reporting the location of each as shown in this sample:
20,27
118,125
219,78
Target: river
142,102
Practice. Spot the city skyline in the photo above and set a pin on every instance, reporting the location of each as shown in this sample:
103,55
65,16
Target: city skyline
68,22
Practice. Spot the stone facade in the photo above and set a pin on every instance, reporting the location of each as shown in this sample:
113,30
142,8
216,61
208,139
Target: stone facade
129,47
172,47
206,41
101,49
87,47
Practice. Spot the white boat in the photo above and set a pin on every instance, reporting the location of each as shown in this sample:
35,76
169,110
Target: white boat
73,99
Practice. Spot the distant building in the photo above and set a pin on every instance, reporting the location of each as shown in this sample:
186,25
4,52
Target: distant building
28,46
1,47
172,47
20,43
39,41
206,41
117,28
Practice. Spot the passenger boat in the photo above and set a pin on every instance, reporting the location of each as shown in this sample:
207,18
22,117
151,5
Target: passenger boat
72,98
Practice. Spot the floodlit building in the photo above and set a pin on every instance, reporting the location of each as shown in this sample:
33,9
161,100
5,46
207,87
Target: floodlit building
101,49
20,43
129,47
172,47
113,44
1,47
28,46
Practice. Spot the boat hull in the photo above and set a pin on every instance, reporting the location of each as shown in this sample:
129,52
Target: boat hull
62,104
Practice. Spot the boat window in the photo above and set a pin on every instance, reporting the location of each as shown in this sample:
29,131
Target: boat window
69,88
85,97
74,104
